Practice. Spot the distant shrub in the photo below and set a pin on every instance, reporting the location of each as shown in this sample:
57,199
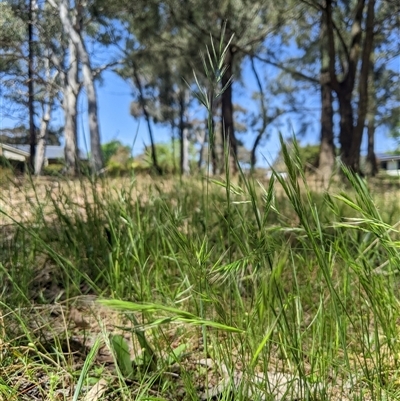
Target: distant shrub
54,169
9,168
116,169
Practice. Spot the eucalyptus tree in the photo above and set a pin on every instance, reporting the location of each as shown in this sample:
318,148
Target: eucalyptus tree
158,62
349,56
300,54
184,29
138,69
278,95
55,78
384,81
383,108
27,63
243,25
166,99
337,43
84,25
18,15
327,153
28,14
342,48
356,47
12,50
50,90
65,60
72,21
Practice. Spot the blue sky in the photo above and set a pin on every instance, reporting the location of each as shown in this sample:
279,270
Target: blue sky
116,122
115,96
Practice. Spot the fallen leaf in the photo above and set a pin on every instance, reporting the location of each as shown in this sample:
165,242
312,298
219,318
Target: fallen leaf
96,391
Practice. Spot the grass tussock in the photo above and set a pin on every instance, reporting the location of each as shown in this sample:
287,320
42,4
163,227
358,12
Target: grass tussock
199,290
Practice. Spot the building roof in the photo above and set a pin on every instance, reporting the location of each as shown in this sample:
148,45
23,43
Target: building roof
386,157
53,152
15,149
11,153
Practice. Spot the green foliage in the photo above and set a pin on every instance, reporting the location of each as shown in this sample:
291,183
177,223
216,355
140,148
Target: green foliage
12,30
55,169
10,168
278,279
110,149
117,158
395,132
251,273
121,350
6,172
19,135
131,369
168,157
86,367
308,157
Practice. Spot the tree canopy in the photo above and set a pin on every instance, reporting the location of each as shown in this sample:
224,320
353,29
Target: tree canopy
327,64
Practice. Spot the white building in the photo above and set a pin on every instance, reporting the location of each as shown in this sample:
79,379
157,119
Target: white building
390,163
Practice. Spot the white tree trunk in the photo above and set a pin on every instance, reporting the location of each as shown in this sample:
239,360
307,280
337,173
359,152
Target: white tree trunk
88,82
95,143
47,103
41,140
71,91
185,152
184,133
201,136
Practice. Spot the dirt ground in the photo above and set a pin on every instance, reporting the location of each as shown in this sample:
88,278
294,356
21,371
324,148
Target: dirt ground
77,326
79,322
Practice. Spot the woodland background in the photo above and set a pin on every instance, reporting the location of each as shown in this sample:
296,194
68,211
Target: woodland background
339,59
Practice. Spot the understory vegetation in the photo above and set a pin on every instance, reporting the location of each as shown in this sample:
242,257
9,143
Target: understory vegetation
201,289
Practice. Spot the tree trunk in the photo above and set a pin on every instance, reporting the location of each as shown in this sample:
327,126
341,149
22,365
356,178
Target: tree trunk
47,104
185,165
345,86
363,86
371,167
201,139
31,99
88,81
264,118
95,141
173,139
371,164
327,157
142,102
253,158
184,135
227,123
346,127
70,101
41,143
212,135
215,162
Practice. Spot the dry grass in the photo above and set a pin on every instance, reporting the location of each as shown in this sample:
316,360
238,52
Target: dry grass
44,347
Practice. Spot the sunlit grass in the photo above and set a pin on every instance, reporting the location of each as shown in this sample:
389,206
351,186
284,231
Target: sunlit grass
200,288
229,281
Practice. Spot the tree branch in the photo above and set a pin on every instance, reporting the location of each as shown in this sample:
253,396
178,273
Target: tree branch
331,46
282,67
356,34
319,7
364,73
97,71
